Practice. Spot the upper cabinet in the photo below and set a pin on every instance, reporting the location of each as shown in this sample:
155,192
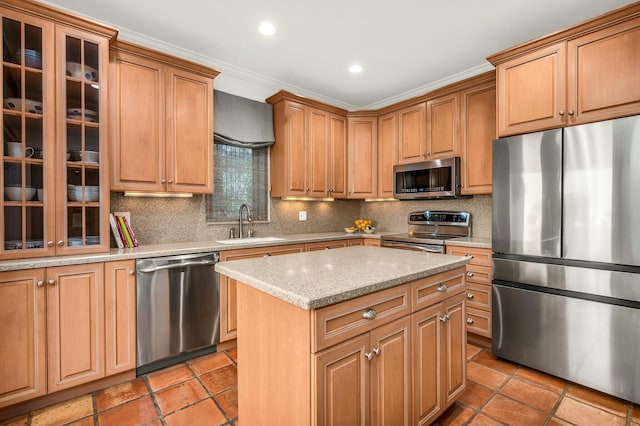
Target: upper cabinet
443,127
55,189
387,153
309,156
161,122
412,141
362,153
585,73
478,130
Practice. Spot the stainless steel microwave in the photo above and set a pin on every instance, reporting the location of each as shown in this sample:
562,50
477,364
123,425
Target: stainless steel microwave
428,179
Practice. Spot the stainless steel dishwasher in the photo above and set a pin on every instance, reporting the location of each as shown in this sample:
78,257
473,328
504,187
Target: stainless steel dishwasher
178,309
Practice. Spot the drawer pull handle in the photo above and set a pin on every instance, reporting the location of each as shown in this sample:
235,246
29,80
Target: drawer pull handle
442,288
445,318
368,355
376,351
369,314
469,274
469,295
469,321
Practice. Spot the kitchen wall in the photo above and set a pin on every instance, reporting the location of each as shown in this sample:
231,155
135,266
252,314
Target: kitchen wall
169,220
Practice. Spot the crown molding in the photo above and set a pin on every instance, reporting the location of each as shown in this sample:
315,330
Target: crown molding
418,91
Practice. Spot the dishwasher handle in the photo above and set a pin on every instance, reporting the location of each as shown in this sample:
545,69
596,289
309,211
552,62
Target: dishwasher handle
432,249
177,265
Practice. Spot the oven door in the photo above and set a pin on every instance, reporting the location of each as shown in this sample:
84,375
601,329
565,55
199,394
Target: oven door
428,248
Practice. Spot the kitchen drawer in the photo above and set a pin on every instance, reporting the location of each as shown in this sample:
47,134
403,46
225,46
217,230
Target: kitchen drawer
479,256
337,323
479,296
479,322
479,274
325,245
434,289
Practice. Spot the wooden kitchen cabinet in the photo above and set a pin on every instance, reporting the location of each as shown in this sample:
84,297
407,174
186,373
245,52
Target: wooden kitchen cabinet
412,134
443,127
367,379
326,245
402,365
387,153
308,158
228,292
75,325
338,156
362,155
61,203
478,127
65,326
23,368
120,316
479,278
164,144
439,354
582,74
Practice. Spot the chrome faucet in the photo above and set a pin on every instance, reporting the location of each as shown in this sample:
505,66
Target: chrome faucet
249,219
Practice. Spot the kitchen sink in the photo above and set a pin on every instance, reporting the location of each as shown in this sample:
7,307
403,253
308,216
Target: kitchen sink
250,240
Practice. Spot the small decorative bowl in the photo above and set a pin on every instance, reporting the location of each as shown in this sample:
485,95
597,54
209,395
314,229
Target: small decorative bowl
349,230
369,230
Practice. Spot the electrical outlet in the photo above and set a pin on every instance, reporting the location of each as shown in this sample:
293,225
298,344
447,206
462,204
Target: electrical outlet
302,215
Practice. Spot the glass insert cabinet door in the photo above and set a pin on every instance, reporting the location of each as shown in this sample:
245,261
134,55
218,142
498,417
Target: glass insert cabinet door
28,123
83,208
55,197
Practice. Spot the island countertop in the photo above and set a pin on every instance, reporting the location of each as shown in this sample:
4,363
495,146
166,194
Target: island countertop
312,280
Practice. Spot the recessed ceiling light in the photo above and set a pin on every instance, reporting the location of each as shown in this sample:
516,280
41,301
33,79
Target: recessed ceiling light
355,68
267,28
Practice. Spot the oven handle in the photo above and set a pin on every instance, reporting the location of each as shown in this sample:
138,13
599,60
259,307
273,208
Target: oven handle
412,247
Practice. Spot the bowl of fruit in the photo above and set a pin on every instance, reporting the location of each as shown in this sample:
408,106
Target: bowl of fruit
364,225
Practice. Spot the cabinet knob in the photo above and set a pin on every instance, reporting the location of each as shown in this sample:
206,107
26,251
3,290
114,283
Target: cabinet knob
376,351
170,181
368,355
132,272
561,112
469,274
50,243
369,314
163,181
307,190
570,112
60,243
442,288
445,318
424,154
52,282
469,295
40,283
469,321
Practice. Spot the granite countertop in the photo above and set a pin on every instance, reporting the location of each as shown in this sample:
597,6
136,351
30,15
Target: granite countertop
315,279
171,249
470,242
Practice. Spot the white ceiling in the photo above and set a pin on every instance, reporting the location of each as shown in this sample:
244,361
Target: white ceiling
407,47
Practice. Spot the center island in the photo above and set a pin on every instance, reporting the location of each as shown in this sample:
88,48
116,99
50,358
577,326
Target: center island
358,335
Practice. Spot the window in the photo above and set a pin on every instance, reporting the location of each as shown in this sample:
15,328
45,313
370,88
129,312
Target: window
240,176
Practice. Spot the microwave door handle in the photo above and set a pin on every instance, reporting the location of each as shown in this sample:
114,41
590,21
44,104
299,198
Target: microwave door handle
411,247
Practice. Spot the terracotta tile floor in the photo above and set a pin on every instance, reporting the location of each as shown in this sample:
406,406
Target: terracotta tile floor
204,391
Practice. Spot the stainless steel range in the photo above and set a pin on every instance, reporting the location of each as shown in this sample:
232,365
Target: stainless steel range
429,229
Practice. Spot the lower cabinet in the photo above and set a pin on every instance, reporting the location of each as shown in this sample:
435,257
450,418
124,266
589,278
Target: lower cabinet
228,298
54,331
367,379
479,277
385,358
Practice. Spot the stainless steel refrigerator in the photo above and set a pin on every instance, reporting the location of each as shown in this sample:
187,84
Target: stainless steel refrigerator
566,242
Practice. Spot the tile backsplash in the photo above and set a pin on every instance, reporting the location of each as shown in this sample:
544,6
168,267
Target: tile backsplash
169,220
